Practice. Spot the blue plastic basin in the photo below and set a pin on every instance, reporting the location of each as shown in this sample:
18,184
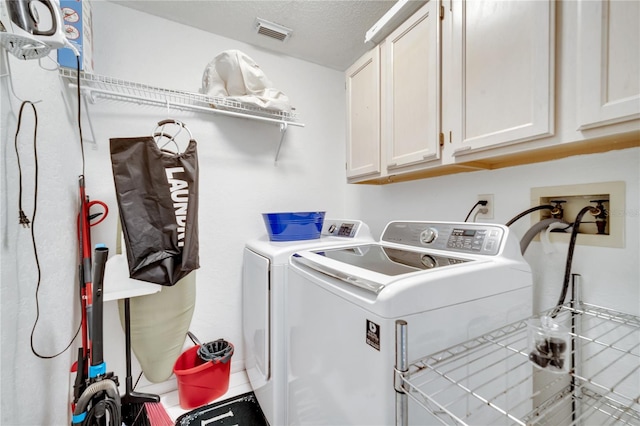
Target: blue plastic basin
293,226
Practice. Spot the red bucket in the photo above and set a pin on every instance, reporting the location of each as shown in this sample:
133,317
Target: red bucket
200,382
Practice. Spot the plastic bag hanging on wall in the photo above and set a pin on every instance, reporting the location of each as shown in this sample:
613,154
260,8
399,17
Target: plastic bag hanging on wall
234,75
157,193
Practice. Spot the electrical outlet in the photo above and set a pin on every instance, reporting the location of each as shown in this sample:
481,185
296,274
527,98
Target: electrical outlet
488,208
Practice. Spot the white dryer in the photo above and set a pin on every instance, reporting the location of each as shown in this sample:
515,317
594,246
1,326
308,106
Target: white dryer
449,281
264,274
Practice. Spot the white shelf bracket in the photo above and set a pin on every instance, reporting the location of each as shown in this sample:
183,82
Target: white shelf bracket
88,94
93,139
283,132
86,98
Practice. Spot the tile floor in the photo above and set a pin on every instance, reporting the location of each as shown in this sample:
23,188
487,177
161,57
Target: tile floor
238,384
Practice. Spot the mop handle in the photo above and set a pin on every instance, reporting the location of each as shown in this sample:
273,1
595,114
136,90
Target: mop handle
98,365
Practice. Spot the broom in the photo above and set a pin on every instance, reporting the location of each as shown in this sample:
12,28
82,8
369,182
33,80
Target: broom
149,414
146,413
157,414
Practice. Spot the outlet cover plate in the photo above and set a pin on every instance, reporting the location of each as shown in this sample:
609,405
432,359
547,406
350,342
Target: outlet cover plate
490,206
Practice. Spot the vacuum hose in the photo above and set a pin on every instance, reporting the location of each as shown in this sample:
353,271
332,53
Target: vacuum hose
100,398
111,403
567,270
101,254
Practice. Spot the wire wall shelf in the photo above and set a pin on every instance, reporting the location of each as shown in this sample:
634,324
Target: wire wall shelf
94,85
118,89
490,380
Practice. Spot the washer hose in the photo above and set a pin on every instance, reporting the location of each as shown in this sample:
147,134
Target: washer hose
567,270
111,403
531,210
535,230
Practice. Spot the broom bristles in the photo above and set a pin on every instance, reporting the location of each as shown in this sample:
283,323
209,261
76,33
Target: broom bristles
157,414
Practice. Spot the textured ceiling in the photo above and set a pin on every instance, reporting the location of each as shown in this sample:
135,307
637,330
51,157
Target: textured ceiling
325,32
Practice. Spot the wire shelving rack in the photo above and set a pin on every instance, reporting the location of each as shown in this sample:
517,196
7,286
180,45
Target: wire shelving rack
490,380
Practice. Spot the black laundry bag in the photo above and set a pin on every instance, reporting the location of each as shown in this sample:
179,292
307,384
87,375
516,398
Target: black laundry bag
157,193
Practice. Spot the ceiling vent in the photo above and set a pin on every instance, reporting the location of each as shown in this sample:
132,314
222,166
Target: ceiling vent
272,30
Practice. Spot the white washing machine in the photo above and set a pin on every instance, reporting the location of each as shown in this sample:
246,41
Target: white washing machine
449,281
264,274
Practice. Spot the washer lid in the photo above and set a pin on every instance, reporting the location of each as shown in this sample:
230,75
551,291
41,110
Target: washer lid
373,266
388,260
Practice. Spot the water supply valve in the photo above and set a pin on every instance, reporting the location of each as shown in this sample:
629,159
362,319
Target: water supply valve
600,214
558,211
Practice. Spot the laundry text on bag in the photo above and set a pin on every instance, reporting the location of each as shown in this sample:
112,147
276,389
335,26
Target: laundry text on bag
180,196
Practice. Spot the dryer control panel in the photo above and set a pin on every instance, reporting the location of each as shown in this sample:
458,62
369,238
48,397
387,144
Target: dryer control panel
344,228
474,238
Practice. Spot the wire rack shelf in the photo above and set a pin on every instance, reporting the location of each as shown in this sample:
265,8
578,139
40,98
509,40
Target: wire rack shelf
94,85
108,87
490,380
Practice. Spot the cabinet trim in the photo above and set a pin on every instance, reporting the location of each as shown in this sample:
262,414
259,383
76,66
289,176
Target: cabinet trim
550,153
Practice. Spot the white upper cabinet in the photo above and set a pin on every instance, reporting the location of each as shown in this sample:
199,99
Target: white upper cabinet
502,73
363,116
608,62
411,90
479,84
393,100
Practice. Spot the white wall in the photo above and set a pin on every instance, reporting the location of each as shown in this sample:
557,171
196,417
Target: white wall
238,181
34,391
610,276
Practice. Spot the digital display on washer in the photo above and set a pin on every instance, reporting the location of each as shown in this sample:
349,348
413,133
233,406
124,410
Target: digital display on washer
345,229
388,261
467,239
464,232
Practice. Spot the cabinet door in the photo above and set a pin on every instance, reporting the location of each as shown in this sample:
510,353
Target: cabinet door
363,115
608,62
411,89
503,72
